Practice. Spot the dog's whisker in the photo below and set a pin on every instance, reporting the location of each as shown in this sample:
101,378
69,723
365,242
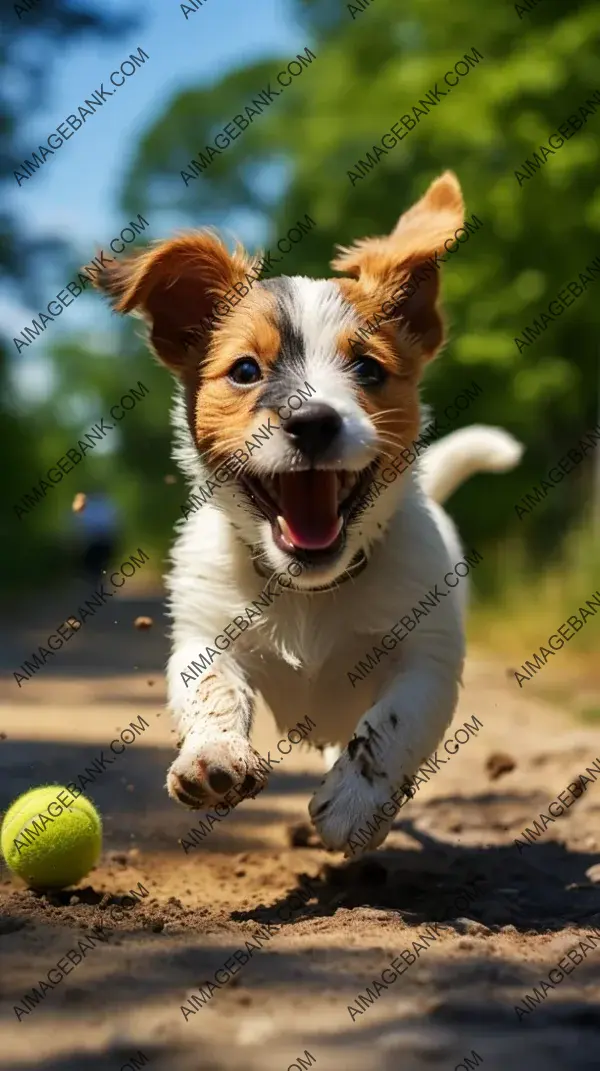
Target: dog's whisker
396,410
396,446
390,431
387,454
383,422
392,440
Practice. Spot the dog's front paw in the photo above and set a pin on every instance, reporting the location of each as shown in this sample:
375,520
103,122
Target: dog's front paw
209,767
347,808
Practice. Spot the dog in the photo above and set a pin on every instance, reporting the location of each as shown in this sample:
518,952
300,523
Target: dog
299,500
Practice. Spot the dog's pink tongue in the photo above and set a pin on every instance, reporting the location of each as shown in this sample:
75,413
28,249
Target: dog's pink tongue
309,505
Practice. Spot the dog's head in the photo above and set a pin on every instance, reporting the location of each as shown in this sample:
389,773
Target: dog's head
283,381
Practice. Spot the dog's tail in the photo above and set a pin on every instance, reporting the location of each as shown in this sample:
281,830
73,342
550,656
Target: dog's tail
478,448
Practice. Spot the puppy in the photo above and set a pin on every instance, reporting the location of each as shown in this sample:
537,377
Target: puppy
291,528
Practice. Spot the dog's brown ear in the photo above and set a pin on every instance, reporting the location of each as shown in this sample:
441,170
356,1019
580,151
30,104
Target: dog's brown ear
405,258
175,286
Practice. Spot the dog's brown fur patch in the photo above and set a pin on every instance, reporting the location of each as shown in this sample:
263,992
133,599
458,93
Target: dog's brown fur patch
223,413
378,267
176,284
394,407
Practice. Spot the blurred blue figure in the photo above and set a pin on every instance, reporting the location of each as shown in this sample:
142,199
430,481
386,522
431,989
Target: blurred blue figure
98,528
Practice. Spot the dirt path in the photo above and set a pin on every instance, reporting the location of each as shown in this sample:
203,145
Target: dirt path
487,948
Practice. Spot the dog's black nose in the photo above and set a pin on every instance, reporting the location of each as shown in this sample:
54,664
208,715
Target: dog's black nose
313,428
191,788
249,783
219,780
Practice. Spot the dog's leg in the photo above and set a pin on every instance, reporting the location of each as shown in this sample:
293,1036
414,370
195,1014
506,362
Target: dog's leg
214,718
353,810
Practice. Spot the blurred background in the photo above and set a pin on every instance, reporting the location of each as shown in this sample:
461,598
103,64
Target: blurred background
539,67
371,66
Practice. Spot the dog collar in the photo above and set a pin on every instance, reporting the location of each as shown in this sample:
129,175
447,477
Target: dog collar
356,566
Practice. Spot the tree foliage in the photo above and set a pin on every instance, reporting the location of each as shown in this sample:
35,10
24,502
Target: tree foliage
538,233
372,66
31,44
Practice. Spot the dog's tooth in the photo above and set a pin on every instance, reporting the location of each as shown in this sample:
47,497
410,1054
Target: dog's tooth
285,531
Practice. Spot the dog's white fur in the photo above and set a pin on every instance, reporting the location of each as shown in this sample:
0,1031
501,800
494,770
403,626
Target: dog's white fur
237,368
297,656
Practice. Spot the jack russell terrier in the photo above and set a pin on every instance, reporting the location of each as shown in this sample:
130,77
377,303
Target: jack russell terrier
304,538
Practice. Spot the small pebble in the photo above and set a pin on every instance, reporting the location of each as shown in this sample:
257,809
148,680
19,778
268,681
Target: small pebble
498,764
143,623
465,925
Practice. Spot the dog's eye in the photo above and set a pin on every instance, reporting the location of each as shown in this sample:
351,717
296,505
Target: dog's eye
369,372
245,372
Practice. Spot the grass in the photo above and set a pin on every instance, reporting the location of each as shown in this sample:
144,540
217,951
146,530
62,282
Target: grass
532,607
591,715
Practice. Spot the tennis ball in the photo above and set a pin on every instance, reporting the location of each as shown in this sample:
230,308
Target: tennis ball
50,844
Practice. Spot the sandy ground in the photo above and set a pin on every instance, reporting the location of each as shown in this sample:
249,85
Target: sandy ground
524,911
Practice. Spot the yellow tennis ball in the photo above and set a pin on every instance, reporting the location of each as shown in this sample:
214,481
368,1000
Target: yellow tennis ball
51,842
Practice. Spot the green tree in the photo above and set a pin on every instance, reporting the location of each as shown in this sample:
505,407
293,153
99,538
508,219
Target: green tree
30,47
538,233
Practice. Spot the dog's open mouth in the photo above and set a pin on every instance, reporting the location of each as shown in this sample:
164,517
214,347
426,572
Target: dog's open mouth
309,510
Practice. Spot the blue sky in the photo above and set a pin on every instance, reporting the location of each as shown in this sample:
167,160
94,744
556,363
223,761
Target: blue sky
74,195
